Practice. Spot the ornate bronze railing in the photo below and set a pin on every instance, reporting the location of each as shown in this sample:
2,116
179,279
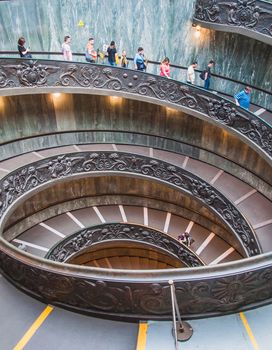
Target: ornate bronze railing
259,93
200,291
66,249
252,18
26,76
30,178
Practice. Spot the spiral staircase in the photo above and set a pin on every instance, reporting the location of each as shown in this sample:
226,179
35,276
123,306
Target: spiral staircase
102,169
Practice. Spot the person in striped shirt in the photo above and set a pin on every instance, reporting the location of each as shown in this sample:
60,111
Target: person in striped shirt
242,98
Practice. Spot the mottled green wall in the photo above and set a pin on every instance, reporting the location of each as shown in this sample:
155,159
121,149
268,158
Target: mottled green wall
162,27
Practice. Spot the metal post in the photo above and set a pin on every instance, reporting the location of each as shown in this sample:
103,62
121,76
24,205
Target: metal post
182,330
171,283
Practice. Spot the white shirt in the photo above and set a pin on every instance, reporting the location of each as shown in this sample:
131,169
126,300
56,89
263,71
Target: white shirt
191,74
66,51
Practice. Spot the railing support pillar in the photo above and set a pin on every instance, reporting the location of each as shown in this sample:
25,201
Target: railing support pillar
182,331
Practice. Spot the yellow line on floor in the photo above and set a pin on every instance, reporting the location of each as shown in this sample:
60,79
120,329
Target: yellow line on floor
142,333
33,328
249,331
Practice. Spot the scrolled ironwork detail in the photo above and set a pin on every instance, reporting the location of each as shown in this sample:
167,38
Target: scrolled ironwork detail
31,73
197,296
92,76
83,239
253,15
27,178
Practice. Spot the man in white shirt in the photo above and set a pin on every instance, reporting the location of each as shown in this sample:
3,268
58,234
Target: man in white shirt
66,49
191,73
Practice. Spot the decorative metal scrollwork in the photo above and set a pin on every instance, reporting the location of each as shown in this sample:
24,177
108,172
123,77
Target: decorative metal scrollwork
85,238
249,14
93,76
27,178
30,73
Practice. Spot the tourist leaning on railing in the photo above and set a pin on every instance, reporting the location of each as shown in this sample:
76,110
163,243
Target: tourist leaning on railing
206,75
242,98
191,73
66,49
139,60
124,60
22,50
112,53
91,54
165,68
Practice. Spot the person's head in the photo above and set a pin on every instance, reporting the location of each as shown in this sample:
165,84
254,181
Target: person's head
166,60
67,39
124,53
112,44
91,41
211,63
248,90
140,50
194,64
21,41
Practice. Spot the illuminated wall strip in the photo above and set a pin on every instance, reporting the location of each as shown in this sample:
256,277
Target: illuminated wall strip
222,256
75,220
185,162
145,216
205,243
220,172
28,244
100,216
123,214
51,229
167,222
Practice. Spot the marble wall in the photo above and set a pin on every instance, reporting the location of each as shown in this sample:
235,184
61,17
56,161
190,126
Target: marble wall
162,27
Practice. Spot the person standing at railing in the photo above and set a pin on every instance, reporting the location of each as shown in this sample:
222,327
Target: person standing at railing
124,61
206,75
165,68
66,49
25,53
91,53
242,98
191,73
112,53
139,60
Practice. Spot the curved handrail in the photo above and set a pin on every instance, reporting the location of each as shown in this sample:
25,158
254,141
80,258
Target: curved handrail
156,63
250,18
25,76
24,180
73,244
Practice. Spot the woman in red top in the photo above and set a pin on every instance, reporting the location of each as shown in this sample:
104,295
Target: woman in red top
165,68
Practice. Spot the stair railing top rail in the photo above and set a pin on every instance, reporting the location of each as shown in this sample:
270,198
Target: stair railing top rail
179,67
42,76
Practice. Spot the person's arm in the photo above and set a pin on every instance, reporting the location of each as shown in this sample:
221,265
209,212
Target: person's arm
163,70
135,62
206,75
25,52
69,56
190,76
237,98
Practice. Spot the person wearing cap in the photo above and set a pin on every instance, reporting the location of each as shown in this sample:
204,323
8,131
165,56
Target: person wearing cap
242,98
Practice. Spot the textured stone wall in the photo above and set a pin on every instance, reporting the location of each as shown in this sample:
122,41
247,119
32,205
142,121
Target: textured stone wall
162,27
